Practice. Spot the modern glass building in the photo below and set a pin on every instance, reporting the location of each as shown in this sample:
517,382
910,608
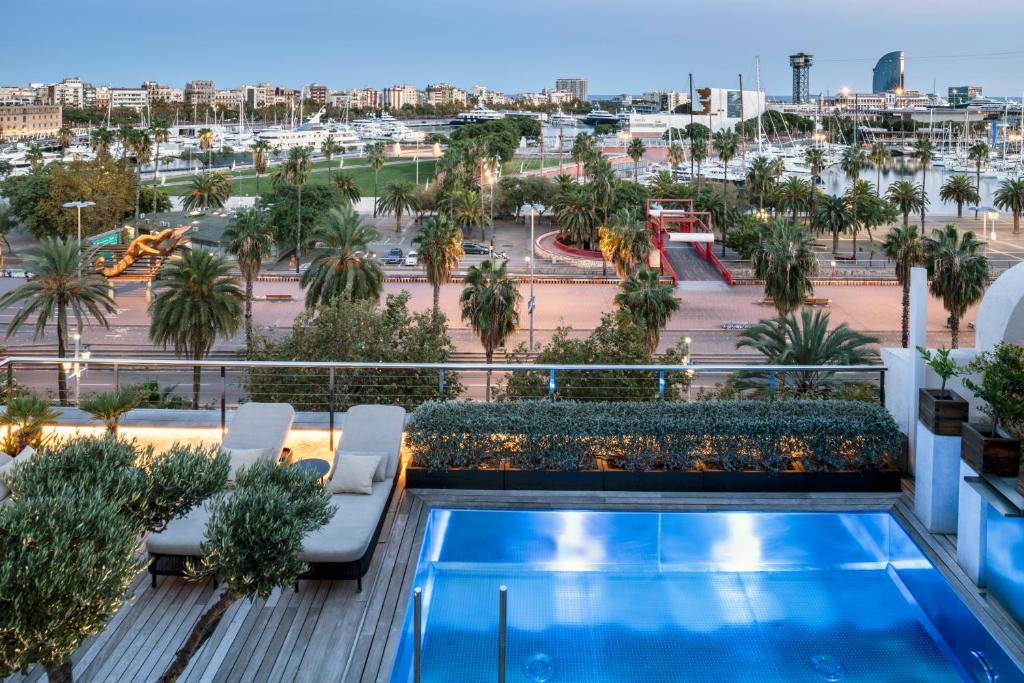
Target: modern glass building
888,73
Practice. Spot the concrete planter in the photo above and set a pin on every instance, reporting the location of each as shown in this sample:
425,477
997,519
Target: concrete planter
937,480
971,530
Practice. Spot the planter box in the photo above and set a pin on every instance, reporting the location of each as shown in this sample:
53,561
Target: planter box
670,480
422,478
942,412
721,480
988,453
554,480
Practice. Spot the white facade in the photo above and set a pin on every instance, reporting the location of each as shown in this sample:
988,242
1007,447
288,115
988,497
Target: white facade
397,96
128,98
723,112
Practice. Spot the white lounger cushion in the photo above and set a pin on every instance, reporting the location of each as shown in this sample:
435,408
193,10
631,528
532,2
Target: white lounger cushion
377,429
182,536
347,536
5,460
244,457
260,425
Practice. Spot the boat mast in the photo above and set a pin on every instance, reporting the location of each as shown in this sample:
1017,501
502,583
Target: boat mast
760,130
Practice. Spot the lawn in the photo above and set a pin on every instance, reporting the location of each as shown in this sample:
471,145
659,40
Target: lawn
363,174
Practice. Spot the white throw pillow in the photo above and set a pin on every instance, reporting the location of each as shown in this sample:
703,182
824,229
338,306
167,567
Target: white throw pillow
354,475
243,457
382,458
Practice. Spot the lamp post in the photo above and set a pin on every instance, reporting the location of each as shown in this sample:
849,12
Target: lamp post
78,206
992,216
529,259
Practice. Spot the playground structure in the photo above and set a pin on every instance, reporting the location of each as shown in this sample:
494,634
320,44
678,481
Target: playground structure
675,220
156,247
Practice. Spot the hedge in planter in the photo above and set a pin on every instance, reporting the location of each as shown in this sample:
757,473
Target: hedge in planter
770,436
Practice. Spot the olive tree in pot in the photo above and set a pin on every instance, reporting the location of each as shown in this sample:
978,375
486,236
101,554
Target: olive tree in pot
942,410
991,448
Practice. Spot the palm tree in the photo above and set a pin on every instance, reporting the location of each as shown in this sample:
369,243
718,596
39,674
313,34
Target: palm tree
249,238
907,197
699,154
835,215
259,150
7,223
978,153
959,273
399,197
958,189
205,136
636,151
160,134
209,190
816,159
61,284
490,306
576,216
64,135
923,152
375,156
805,340
439,247
582,145
1010,197
794,195
102,138
760,178
467,211
142,150
625,242
675,156
727,143
784,258
344,266
124,135
906,247
329,147
34,156
348,186
295,171
649,301
196,301
879,156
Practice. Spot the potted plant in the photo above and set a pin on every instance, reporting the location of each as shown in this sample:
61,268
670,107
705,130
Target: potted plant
942,410
109,407
988,447
25,418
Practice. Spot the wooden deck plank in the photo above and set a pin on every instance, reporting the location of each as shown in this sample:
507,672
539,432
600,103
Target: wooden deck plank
308,591
161,632
305,631
175,639
249,663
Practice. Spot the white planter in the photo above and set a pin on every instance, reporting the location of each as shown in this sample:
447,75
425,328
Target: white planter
937,480
970,529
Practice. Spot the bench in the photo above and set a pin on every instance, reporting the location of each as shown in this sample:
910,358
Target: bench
280,297
817,301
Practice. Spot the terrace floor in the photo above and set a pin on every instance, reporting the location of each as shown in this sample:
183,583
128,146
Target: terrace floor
328,632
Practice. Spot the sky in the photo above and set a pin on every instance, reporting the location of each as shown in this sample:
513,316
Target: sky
513,46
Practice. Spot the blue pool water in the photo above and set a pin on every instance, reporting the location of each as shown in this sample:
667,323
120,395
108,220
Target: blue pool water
595,597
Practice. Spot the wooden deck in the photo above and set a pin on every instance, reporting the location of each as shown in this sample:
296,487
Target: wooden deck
328,632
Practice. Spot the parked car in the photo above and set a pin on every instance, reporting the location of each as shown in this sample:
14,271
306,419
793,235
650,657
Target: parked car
412,259
474,248
394,257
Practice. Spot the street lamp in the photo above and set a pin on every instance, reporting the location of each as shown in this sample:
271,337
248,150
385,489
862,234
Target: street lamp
833,264
78,206
992,216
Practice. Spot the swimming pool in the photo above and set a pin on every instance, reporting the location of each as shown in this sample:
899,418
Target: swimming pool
595,597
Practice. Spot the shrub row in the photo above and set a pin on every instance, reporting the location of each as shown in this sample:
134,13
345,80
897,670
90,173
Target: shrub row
770,436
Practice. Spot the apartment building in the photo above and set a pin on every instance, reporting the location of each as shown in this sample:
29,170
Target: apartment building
577,87
29,121
397,96
445,95
201,93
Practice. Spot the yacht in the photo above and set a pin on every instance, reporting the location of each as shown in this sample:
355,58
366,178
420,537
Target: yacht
598,116
310,134
478,114
559,118
386,128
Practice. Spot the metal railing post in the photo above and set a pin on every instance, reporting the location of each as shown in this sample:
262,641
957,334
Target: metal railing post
223,401
881,387
440,385
417,635
551,383
10,381
330,406
117,379
661,385
502,625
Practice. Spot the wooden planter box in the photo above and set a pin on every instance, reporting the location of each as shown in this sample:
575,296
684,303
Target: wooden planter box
485,479
942,412
989,453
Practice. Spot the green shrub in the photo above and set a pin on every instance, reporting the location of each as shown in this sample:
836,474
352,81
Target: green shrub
714,435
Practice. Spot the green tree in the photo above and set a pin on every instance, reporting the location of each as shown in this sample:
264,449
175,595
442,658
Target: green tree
348,187
254,538
1010,197
344,266
794,195
195,301
142,151
259,150
625,242
576,215
34,156
467,211
582,145
959,273
102,139
835,215
879,156
907,197
375,156
761,180
490,306
439,247
727,143
109,407
249,238
784,258
804,340
924,152
636,151
295,171
160,133
905,247
816,159
329,147
649,301
699,154
208,190
958,189
64,135
675,155
399,197
978,153
205,136
61,285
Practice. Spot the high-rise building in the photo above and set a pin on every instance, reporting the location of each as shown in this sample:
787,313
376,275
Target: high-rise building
962,94
29,121
70,92
888,74
200,93
128,98
577,87
397,96
317,93
801,63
